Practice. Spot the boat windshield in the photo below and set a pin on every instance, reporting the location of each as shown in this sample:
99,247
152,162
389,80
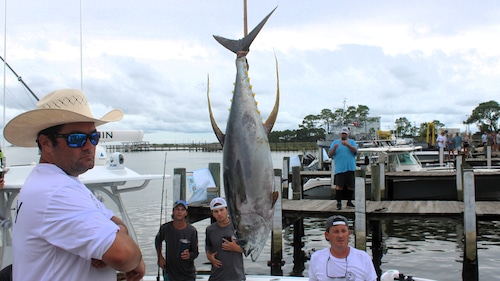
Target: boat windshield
403,162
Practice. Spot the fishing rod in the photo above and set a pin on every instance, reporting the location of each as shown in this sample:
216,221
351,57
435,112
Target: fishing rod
20,79
161,206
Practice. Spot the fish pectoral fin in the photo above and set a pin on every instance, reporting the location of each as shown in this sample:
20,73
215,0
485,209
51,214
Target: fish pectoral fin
276,194
241,186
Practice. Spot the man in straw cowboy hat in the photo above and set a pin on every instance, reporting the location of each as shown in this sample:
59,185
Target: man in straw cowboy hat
62,231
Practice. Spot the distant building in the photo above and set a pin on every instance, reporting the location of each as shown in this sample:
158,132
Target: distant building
360,130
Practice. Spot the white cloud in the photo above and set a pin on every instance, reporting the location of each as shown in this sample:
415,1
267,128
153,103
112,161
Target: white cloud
423,60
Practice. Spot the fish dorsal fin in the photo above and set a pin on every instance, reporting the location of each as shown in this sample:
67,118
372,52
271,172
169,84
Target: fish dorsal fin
218,133
268,125
275,198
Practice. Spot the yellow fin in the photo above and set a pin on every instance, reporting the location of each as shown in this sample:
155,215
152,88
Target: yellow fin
275,198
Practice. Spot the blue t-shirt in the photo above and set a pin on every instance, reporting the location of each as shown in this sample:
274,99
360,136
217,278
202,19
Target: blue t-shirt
344,158
458,141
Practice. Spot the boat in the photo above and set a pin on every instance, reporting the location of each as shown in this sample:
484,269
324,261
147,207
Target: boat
389,275
407,178
397,158
393,274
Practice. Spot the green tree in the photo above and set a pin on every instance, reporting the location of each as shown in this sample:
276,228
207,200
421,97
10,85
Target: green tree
485,116
403,127
328,119
310,122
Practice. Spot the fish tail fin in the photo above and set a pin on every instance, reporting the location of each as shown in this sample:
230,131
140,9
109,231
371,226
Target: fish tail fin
218,133
243,44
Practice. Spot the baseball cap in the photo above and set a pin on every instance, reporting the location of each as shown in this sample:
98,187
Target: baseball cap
344,130
180,202
336,220
218,200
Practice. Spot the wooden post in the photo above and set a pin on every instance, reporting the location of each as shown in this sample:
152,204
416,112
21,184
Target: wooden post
296,183
333,188
276,234
320,158
215,171
375,185
286,173
488,156
360,214
470,269
460,175
298,254
441,156
377,247
179,184
383,190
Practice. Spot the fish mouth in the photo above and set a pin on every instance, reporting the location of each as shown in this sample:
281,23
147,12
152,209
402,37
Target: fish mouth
252,234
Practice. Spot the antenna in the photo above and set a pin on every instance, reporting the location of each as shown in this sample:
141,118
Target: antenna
4,66
245,23
81,51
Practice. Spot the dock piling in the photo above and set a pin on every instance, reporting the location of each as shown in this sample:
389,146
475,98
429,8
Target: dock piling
179,182
360,214
276,261
470,269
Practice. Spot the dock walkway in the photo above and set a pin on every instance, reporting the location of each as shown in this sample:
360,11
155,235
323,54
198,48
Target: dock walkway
305,208
324,208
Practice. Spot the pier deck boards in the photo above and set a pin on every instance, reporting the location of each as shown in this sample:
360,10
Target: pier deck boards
324,208
376,209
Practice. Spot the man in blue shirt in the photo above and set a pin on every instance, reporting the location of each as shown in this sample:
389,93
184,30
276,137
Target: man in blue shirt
344,151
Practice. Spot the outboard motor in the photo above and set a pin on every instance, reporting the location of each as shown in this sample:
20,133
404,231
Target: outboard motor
308,159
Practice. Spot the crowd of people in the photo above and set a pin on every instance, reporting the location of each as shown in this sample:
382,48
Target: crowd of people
456,144
492,139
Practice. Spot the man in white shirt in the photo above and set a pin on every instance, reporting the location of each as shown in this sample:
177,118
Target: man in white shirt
340,261
61,230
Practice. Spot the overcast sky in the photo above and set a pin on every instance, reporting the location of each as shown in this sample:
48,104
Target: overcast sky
423,60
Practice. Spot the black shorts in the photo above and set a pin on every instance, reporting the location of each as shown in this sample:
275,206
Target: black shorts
345,179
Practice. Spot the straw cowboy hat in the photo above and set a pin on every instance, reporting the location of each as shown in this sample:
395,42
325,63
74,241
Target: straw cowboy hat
57,108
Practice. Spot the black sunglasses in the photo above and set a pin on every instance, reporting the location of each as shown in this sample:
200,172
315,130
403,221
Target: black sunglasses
337,268
76,140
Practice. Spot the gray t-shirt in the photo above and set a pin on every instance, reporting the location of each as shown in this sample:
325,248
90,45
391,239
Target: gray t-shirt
177,268
232,262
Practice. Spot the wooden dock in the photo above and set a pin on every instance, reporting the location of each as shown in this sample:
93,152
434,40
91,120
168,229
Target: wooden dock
380,209
305,208
367,212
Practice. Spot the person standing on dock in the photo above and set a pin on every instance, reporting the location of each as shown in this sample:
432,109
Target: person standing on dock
458,143
344,152
442,141
497,141
181,241
340,261
61,230
225,255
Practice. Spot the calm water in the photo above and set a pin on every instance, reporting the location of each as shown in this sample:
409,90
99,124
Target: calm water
425,248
